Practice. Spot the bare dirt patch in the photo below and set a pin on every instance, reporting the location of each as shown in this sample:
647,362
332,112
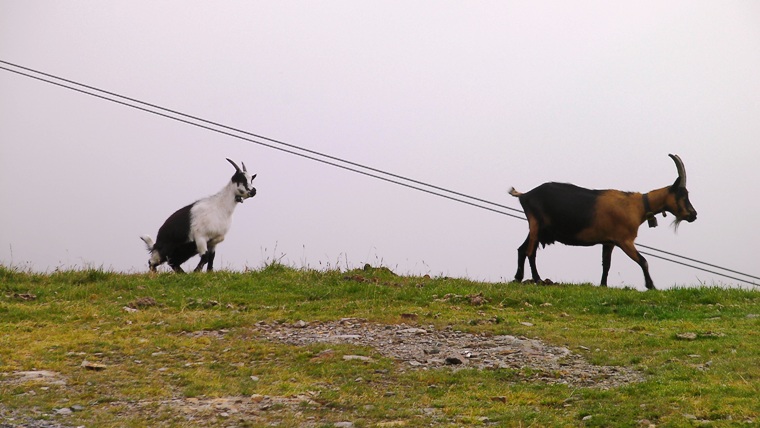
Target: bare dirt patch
424,348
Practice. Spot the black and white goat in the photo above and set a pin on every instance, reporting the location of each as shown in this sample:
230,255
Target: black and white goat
199,227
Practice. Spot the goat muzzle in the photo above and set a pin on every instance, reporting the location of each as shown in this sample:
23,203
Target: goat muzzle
251,193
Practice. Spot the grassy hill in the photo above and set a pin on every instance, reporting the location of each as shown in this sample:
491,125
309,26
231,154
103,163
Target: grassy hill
309,348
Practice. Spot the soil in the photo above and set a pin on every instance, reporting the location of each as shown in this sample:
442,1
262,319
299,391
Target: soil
417,348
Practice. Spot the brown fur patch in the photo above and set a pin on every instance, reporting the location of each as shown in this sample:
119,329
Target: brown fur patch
617,216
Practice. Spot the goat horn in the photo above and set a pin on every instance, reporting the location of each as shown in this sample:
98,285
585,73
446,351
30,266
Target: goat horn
681,169
243,163
233,164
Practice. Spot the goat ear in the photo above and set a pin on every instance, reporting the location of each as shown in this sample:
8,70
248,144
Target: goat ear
253,176
233,164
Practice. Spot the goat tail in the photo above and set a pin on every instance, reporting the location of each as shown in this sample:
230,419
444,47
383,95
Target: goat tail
148,242
514,192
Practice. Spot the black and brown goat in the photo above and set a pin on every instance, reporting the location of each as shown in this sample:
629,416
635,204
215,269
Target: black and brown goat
573,215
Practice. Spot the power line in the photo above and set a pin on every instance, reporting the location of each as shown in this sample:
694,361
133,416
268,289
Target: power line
699,268
293,146
269,145
312,155
694,260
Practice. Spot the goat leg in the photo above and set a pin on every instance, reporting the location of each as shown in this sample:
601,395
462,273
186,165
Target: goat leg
211,255
606,261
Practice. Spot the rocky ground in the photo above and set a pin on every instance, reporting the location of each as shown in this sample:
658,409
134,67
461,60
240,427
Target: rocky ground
418,348
412,347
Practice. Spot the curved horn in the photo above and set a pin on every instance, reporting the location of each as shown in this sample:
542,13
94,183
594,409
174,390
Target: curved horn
233,164
681,169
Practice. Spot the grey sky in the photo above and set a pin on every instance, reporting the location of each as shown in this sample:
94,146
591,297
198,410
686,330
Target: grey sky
472,96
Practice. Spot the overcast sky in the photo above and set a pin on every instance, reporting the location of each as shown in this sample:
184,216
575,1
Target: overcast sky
472,96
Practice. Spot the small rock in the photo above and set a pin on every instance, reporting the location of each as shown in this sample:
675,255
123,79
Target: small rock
398,423
357,357
255,378
477,299
300,324
327,353
130,310
587,418
64,411
452,361
412,331
526,324
343,425
686,336
77,408
143,302
93,366
24,296
753,315
257,398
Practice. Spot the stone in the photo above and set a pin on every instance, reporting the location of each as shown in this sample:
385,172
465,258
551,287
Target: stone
93,366
357,358
686,336
453,361
412,331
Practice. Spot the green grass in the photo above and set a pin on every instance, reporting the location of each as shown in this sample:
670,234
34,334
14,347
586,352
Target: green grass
55,321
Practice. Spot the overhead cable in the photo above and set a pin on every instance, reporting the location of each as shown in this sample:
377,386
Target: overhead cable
316,156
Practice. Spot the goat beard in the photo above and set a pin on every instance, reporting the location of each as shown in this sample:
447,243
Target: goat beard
676,223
